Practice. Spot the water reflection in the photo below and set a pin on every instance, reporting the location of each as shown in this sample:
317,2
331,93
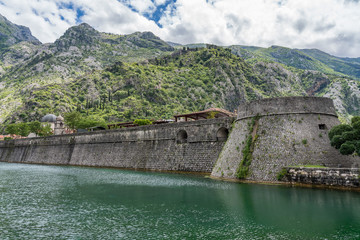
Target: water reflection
42,202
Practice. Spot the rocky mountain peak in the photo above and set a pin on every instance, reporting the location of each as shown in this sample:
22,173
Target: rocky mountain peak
11,33
149,40
80,35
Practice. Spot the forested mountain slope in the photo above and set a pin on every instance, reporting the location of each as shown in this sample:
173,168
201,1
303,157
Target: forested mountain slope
124,77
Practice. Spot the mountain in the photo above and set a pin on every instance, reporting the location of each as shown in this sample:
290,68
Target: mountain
310,59
348,66
187,80
11,34
124,77
80,50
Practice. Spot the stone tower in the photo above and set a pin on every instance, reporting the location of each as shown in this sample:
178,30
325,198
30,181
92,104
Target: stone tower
59,127
273,133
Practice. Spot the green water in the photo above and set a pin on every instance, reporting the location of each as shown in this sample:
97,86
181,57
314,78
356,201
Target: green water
52,202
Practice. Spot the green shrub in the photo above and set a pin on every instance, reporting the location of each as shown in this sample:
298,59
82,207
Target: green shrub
355,119
336,141
142,122
211,115
339,129
349,136
281,174
347,148
356,126
346,138
304,141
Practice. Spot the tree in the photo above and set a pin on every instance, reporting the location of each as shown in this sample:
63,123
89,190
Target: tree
35,127
347,148
45,130
72,119
24,129
13,129
91,121
339,129
346,137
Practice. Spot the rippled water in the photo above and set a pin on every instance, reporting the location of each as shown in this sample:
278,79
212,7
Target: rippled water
52,202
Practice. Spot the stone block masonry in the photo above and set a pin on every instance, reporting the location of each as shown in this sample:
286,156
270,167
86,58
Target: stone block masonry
184,146
344,177
288,131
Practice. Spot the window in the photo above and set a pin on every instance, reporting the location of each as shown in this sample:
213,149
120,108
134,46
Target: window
322,126
222,134
181,136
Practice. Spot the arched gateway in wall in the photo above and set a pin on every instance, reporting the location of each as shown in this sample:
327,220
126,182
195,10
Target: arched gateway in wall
270,134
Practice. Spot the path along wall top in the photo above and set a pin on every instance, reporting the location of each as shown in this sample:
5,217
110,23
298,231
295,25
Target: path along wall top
287,105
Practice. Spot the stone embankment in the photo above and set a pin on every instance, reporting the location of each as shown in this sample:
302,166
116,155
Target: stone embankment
340,177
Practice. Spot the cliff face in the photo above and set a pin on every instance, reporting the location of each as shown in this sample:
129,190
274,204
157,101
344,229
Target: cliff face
11,34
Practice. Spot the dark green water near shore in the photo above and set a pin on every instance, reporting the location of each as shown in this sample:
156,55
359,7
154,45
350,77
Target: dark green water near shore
52,202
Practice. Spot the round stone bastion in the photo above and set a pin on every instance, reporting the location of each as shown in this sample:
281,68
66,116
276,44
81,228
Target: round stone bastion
273,133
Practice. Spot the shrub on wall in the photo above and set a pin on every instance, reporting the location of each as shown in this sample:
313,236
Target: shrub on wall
346,137
142,122
243,169
281,174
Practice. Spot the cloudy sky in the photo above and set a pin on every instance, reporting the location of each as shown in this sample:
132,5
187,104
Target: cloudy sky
330,25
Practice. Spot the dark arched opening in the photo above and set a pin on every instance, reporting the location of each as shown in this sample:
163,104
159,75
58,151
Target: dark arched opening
181,136
222,134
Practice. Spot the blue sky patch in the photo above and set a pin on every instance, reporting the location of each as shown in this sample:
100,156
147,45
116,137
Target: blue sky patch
70,5
79,14
154,15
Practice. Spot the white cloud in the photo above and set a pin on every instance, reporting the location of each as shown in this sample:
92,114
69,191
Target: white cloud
42,17
159,2
330,25
112,16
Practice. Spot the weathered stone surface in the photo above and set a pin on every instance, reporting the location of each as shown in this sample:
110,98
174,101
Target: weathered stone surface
344,177
291,131
153,147
288,132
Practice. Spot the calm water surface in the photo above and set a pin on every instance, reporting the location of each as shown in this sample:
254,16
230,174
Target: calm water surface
52,202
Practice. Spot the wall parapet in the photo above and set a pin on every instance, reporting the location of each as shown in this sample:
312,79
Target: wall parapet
150,147
287,105
342,177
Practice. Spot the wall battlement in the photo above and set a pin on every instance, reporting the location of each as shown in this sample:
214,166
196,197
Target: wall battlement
287,105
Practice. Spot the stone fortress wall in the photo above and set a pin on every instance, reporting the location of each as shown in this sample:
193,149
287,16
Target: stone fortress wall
184,146
285,132
288,131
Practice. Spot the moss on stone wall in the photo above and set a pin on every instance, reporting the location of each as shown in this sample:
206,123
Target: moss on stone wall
243,170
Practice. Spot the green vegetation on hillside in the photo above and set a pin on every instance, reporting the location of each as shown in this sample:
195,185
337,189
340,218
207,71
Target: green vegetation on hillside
307,59
113,78
185,81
